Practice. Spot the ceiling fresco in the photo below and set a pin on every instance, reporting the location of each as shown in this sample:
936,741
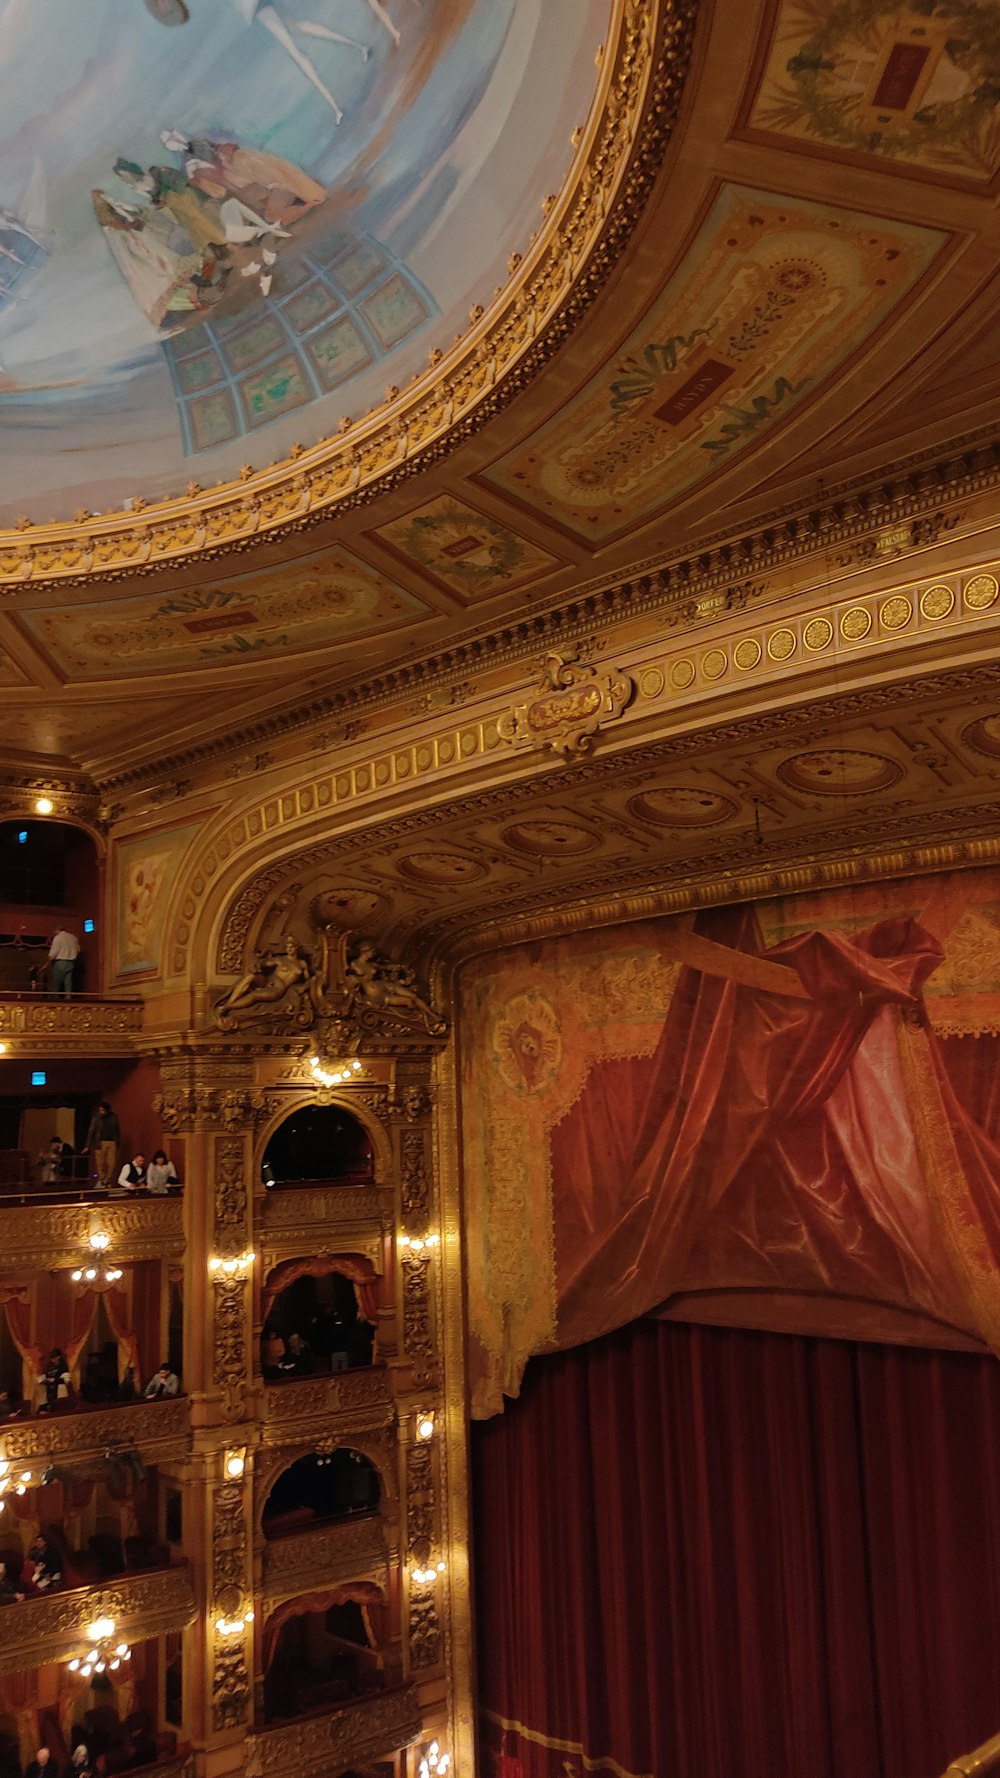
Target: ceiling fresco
916,85
334,599
216,215
464,550
771,297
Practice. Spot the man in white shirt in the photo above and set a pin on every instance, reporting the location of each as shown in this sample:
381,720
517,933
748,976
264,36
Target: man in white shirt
63,953
132,1177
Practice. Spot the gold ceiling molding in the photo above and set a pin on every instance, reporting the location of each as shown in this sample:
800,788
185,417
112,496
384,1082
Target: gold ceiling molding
579,242
798,724
913,507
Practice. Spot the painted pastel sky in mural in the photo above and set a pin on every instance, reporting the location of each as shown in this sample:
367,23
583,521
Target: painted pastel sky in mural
206,229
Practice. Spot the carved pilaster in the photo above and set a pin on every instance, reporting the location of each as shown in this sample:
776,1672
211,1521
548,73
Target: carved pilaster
424,1626
230,1595
418,1336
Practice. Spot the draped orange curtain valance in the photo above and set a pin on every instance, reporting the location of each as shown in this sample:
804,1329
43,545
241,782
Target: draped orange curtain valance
363,1592
349,1265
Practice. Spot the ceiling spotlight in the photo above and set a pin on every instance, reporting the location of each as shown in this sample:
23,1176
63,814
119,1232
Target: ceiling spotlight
43,806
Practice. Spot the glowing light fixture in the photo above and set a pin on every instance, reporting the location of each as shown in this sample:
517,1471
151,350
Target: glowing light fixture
237,1268
333,1077
234,1465
105,1654
233,1626
43,805
425,1426
12,1483
434,1763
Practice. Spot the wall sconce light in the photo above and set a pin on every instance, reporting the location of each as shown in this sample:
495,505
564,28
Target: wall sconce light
434,1763
230,1269
3,1049
418,1243
88,1275
99,1241
43,805
234,1465
233,1626
12,1484
425,1577
333,1077
105,1655
425,1425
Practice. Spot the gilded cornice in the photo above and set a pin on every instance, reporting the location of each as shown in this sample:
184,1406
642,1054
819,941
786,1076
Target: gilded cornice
53,1628
580,240
911,507
71,1026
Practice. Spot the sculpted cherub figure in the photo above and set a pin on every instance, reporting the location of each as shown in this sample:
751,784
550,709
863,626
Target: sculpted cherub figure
388,987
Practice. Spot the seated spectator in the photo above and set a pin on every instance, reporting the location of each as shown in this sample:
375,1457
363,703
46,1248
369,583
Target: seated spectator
273,1352
132,1177
10,1409
165,1382
49,1163
80,1765
55,1381
161,1174
299,1355
42,1766
9,1591
42,1569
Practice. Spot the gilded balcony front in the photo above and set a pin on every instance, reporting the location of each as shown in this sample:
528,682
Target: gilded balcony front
159,1430
80,1025
327,1407
54,1628
355,1735
354,1549
48,1237
323,1219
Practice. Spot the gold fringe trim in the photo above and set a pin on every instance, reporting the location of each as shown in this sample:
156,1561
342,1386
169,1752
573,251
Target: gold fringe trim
589,1765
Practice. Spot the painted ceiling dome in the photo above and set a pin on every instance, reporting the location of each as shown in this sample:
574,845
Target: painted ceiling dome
216,214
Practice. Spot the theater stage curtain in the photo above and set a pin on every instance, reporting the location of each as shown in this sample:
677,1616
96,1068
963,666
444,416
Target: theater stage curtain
796,1132
349,1265
710,1551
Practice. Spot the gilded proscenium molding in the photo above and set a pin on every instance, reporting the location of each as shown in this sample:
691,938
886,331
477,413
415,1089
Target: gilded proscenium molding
200,1107
231,1594
573,701
922,497
354,996
53,1628
160,1431
805,642
47,1237
351,1737
579,240
354,1550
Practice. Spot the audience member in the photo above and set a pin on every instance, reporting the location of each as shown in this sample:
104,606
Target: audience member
165,1382
299,1354
9,1593
63,953
103,1137
80,1765
126,1389
9,1408
55,1381
161,1174
42,1570
50,1163
42,1766
273,1352
132,1177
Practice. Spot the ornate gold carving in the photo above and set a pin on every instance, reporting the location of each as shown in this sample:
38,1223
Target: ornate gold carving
424,1629
232,1108
230,1593
781,644
855,623
818,634
575,700
318,1405
415,1188
50,1236
52,1628
418,1337
344,1213
895,613
69,1018
682,674
981,592
230,1359
359,995
747,654
353,1550
351,1737
230,1187
579,242
160,1430
937,602
714,663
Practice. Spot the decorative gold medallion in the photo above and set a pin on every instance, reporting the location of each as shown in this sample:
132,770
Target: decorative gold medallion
818,634
574,700
747,654
781,644
855,624
894,613
714,663
681,674
651,682
981,591
937,602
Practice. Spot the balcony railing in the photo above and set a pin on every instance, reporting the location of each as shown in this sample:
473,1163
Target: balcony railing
45,1237
54,1628
355,1735
983,1763
159,1430
78,1024
315,1406
353,1549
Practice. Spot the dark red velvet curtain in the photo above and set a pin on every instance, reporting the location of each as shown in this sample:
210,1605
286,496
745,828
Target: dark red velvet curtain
739,1555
